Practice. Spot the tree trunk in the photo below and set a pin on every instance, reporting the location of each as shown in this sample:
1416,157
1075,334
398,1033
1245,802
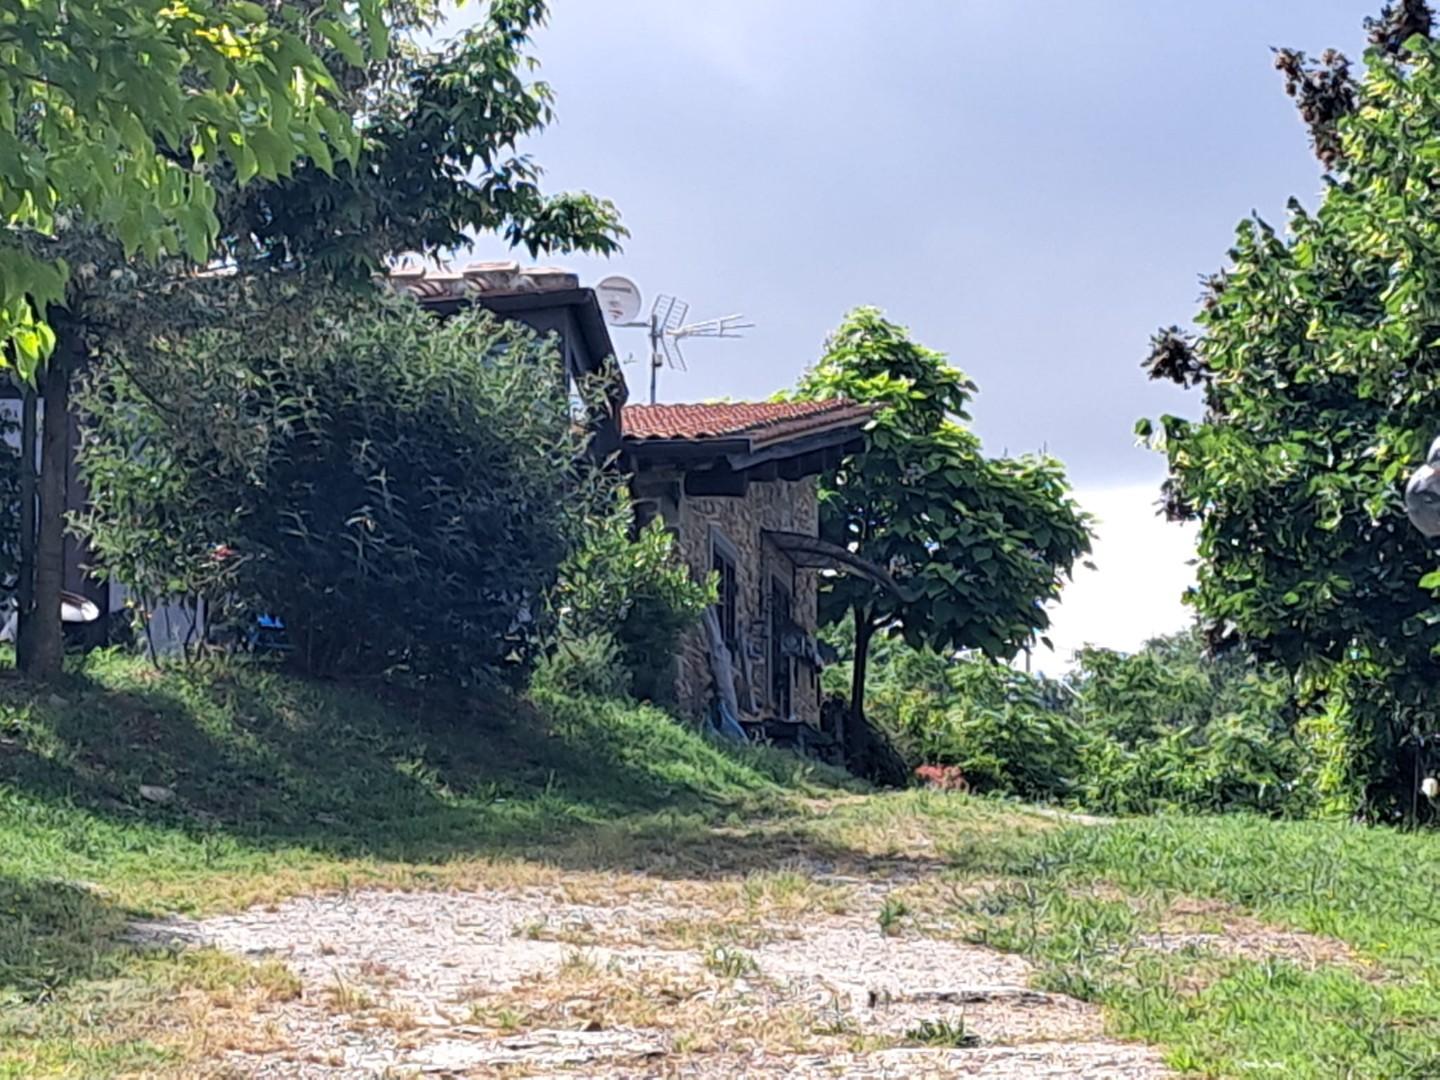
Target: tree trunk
857,731
45,646
25,569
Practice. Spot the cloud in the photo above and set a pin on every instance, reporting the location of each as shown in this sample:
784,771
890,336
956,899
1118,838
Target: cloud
1133,594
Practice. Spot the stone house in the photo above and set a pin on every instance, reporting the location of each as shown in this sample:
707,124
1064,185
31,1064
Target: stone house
736,484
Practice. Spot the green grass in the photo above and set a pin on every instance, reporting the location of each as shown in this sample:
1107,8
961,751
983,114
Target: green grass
270,772
1079,900
944,1033
280,786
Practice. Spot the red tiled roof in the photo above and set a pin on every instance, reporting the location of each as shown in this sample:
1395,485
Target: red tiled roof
759,422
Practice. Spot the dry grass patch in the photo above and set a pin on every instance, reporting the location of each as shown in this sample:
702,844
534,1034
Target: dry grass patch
760,906
727,1006
396,1018
785,894
348,997
717,930
1213,926
226,892
164,1015
696,932
225,1010
933,904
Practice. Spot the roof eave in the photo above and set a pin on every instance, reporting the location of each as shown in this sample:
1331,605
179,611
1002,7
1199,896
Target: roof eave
699,449
741,453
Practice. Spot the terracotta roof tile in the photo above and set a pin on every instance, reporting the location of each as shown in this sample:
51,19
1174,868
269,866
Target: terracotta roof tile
759,422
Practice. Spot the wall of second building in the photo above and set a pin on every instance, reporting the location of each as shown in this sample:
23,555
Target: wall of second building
171,625
737,524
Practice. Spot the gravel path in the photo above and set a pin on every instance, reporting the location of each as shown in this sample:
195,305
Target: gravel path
522,983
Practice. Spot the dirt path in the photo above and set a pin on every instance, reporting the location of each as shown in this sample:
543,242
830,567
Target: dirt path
779,975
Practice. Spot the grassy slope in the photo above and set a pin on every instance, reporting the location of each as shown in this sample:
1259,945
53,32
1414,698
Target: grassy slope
282,786
1085,903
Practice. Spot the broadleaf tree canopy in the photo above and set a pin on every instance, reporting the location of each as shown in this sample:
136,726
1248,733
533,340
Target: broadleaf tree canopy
393,147
978,544
123,111
440,129
1319,360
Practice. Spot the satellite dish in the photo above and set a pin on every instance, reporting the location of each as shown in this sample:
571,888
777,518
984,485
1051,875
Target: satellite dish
75,608
619,299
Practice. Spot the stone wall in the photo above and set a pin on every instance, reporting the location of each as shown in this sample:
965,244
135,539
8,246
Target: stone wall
783,505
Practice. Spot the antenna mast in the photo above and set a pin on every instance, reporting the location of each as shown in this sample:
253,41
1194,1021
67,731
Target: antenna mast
666,326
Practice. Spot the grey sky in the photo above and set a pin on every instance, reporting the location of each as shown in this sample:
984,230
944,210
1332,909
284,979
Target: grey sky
1030,187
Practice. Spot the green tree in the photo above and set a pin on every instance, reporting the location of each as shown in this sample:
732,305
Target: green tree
120,114
123,110
433,161
401,490
1171,727
1318,358
1165,728
976,545
440,129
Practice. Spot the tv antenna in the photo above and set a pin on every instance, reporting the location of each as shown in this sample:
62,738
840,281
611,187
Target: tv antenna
666,325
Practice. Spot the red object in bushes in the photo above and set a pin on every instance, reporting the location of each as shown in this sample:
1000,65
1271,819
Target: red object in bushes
943,777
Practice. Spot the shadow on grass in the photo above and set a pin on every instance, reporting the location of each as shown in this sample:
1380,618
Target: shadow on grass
52,933
692,850
272,761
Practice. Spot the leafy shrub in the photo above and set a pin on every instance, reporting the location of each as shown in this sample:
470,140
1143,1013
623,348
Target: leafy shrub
1372,736
589,665
1166,728
998,726
401,491
633,590
1169,728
